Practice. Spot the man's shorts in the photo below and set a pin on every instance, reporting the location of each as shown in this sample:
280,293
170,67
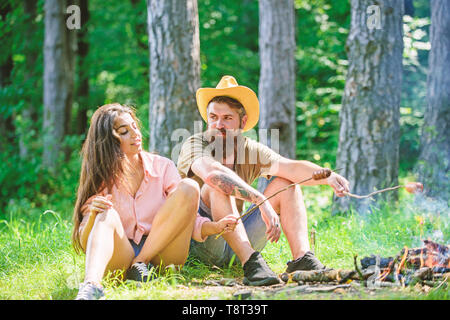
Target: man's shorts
218,252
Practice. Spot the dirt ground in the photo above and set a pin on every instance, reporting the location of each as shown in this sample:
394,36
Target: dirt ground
352,290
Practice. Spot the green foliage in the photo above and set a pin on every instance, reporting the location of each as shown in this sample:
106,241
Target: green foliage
322,28
229,41
414,88
118,71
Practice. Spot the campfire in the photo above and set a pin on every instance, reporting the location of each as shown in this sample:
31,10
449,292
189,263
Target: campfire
428,265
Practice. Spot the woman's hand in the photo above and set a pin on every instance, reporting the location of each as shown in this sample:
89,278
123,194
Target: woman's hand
339,184
100,204
226,224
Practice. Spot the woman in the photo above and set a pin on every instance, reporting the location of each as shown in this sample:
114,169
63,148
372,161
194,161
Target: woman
133,211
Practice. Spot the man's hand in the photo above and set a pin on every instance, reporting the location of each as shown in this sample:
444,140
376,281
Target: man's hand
272,221
339,184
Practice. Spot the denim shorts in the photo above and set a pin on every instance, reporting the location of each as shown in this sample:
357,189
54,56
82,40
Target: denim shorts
218,252
138,247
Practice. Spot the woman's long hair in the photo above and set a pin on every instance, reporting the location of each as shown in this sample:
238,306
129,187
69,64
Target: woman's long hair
102,160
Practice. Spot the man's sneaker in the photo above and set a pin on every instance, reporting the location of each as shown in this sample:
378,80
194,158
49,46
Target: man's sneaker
257,272
89,291
140,271
305,263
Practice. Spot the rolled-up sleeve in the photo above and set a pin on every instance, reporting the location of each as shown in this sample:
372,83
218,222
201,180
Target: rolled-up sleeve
197,232
171,181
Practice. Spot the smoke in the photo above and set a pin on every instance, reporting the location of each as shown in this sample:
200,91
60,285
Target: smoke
435,214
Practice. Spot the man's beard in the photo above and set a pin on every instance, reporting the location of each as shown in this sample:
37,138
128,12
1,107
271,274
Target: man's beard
225,145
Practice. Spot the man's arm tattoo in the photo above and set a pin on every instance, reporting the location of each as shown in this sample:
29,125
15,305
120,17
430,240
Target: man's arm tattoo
230,186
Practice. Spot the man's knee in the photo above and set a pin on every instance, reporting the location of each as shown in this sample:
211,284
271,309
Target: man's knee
277,184
208,194
211,193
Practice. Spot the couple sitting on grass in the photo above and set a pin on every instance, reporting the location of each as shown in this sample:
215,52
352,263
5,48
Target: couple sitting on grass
136,210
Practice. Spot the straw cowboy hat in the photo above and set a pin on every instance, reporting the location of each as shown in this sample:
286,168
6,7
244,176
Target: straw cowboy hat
229,87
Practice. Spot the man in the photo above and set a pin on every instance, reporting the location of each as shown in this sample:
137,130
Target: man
225,163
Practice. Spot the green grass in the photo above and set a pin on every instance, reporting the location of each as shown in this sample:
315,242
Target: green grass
38,262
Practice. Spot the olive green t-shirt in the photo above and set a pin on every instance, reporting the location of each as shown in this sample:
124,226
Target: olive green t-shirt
252,159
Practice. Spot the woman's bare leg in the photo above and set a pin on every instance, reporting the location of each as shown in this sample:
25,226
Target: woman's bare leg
108,247
169,238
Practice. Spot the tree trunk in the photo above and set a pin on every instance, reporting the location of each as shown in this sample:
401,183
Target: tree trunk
174,71
58,80
434,161
83,69
29,112
368,151
277,76
6,66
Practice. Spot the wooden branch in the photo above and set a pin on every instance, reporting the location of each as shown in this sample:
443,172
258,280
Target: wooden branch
424,274
323,275
311,289
411,187
371,194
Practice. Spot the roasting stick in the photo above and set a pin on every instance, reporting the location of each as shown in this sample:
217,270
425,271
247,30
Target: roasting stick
370,194
317,175
411,187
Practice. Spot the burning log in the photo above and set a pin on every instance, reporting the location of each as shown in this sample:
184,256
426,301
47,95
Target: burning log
429,260
430,246
370,261
433,255
437,247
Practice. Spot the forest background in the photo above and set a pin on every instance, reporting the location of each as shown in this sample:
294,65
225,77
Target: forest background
117,67
112,61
